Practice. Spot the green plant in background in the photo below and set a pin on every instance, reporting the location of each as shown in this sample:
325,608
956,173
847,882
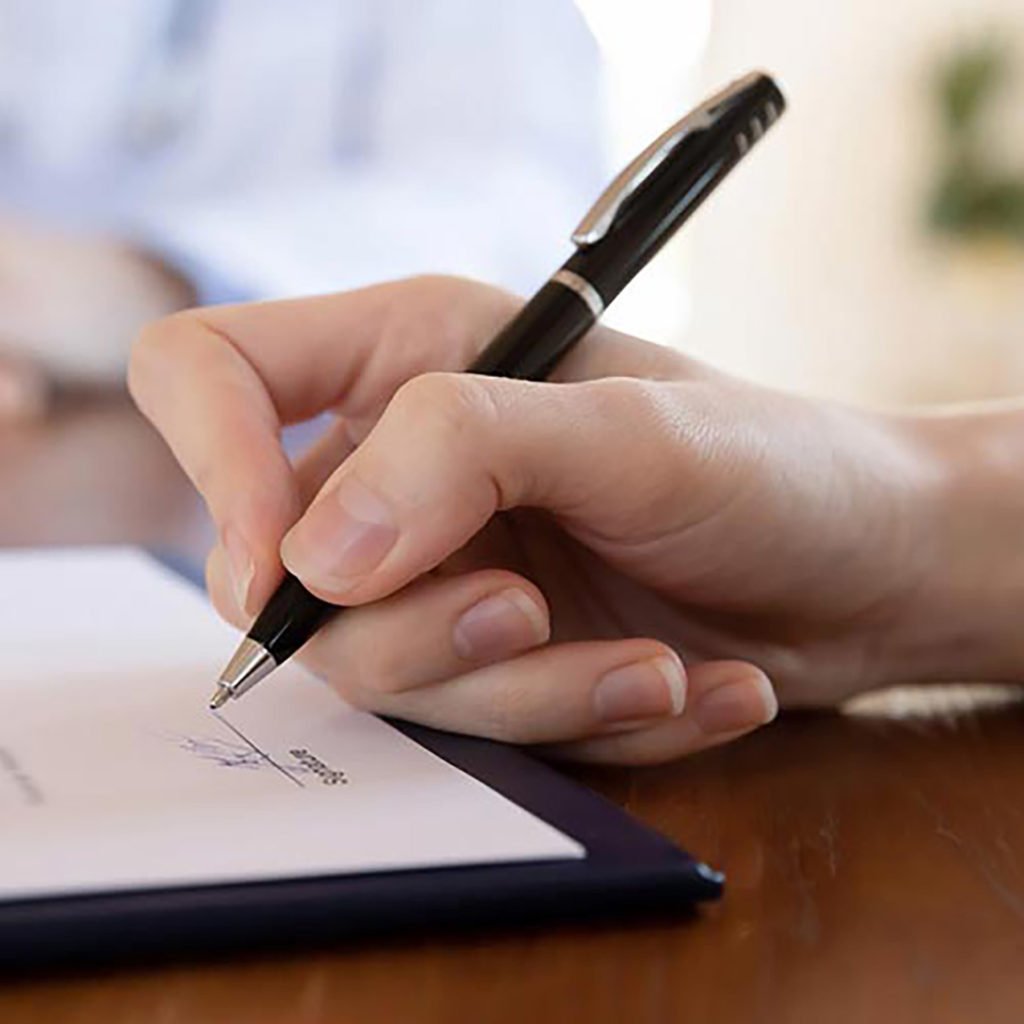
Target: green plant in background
972,198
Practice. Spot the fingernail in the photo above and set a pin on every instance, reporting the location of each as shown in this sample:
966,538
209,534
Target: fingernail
240,561
734,707
654,688
500,625
343,536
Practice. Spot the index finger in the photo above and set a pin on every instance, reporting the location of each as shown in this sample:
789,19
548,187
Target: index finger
220,383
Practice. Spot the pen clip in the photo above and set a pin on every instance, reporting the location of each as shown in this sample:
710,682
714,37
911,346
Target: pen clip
602,215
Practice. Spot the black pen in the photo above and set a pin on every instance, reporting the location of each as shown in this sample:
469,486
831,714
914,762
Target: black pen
633,218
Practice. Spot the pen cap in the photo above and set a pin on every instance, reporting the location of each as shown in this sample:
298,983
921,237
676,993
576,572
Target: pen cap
660,190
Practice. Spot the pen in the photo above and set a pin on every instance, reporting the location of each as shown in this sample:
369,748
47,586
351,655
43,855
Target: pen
631,220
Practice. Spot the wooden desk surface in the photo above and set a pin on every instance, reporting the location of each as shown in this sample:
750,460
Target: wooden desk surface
875,858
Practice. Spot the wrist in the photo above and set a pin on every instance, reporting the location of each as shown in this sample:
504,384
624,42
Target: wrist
971,515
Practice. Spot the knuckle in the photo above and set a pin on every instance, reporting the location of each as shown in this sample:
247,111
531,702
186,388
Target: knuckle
630,400
675,423
658,438
464,418
646,411
454,405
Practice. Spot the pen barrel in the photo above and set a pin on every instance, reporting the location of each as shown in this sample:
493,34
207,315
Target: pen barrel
672,192
670,198
527,348
289,619
567,306
530,345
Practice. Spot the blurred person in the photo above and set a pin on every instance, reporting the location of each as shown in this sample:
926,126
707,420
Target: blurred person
162,154
632,562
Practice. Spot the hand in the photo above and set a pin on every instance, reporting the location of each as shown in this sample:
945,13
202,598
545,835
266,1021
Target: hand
69,308
24,390
537,562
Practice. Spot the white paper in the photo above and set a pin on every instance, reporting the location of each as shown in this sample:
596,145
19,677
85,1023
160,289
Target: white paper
114,775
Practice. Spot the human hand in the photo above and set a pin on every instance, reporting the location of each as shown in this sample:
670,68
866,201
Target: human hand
537,561
70,306
24,390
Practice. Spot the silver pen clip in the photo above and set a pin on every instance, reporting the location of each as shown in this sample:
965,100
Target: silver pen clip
599,219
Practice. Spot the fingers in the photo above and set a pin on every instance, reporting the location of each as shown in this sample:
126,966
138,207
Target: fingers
625,701
322,458
435,630
228,599
727,700
452,449
232,591
467,654
219,384
547,695
220,421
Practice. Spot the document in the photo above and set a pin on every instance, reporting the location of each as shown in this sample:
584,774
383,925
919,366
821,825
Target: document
114,774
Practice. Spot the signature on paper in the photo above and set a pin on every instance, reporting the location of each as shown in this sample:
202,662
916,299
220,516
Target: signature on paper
225,753
23,782
240,752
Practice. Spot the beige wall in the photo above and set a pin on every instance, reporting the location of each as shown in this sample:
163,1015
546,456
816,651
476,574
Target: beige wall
811,269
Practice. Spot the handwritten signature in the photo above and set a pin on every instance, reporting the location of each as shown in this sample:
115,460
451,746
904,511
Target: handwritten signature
243,754
225,753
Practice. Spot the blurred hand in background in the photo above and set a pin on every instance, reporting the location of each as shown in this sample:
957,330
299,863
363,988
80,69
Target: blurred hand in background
157,155
61,295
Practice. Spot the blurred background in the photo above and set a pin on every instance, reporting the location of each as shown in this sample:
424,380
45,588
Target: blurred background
873,249
159,154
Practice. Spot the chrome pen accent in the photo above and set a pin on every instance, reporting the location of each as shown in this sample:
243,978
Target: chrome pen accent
601,216
583,288
250,663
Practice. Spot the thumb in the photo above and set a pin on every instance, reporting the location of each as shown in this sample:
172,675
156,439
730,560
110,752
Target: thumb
450,450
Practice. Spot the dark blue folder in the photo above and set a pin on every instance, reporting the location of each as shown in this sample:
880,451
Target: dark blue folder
629,869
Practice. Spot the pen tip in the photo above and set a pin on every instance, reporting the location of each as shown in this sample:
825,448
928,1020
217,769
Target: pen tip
220,697
248,665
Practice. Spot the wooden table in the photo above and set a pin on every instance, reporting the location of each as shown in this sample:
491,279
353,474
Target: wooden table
875,858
